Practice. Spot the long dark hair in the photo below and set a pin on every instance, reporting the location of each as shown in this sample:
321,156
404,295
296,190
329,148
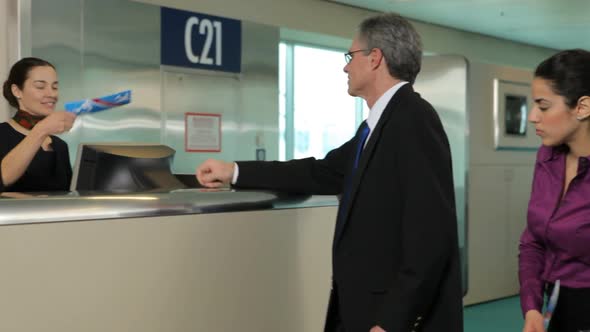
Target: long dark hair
19,74
569,74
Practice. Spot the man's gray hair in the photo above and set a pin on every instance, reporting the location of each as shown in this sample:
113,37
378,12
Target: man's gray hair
398,41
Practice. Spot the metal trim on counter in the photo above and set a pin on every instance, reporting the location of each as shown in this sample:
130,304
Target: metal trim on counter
33,209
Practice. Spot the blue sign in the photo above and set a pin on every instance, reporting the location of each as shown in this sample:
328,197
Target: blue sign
200,41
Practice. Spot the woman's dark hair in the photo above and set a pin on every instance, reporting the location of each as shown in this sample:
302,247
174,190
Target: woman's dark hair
19,74
569,74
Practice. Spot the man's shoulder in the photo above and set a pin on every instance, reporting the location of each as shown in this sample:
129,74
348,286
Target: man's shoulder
411,103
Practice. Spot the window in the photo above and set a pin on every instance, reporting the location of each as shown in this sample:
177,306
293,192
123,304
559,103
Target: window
316,112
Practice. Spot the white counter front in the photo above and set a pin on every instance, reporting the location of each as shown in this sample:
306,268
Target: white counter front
264,266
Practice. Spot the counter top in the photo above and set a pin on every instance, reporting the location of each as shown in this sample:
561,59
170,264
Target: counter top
74,206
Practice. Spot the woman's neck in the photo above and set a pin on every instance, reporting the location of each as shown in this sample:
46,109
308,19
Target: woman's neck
16,126
580,145
26,120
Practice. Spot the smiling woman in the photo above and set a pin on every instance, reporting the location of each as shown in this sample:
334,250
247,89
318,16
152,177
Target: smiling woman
32,158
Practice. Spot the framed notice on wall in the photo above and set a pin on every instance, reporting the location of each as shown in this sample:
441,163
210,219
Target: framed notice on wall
202,132
512,105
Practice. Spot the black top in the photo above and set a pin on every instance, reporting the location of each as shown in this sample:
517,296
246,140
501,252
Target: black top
48,171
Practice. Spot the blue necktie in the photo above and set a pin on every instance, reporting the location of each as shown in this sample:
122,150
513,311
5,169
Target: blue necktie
364,131
361,135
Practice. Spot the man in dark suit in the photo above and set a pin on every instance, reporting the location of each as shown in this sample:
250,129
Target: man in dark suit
395,249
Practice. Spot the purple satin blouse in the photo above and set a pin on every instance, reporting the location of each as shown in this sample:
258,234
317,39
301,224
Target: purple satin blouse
556,242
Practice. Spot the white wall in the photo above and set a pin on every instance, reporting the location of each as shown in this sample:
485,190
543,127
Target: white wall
499,189
4,50
9,44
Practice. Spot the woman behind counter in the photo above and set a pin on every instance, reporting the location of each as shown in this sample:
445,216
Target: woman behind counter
32,158
556,242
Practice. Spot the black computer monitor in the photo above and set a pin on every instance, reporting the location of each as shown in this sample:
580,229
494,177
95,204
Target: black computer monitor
123,168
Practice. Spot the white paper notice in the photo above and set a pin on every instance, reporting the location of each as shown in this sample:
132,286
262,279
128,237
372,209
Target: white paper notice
203,132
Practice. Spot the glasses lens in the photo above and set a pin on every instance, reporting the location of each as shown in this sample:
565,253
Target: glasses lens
347,57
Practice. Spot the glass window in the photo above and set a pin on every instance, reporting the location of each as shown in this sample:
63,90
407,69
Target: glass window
323,115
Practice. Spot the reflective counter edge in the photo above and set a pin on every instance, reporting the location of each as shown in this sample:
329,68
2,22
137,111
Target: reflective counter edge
74,206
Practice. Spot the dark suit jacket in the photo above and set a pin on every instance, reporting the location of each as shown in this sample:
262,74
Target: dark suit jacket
396,261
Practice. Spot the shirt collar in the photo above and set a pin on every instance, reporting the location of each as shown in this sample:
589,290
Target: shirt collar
379,107
555,152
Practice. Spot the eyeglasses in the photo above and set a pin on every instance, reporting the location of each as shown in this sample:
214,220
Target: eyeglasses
348,56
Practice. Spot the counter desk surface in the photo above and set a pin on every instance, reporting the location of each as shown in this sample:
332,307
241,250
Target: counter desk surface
74,206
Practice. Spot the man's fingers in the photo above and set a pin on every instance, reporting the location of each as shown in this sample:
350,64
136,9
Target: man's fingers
201,172
208,177
209,181
214,184
212,174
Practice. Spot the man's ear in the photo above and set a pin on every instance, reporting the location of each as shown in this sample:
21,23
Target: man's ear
377,58
583,108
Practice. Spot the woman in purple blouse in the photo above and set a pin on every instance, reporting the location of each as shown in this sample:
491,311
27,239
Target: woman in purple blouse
556,242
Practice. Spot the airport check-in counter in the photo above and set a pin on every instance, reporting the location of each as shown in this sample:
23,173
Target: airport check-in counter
183,260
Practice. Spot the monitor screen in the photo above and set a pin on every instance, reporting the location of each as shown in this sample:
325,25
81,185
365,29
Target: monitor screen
123,168
516,115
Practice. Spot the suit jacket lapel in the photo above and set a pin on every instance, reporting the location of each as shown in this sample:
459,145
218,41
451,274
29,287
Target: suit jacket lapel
370,148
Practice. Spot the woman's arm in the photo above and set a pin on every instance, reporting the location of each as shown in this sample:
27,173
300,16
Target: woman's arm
531,257
530,267
16,162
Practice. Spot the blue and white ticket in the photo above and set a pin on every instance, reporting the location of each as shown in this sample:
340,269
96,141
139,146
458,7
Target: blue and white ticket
551,304
98,104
